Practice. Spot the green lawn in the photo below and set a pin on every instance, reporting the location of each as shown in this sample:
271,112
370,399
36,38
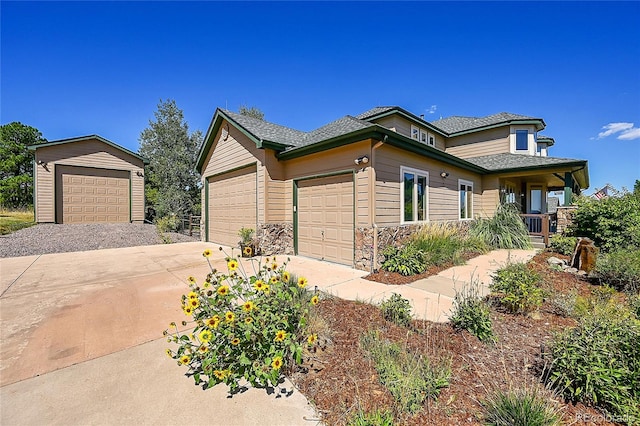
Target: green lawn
12,220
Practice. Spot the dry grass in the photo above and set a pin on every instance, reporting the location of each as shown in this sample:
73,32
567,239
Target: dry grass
13,220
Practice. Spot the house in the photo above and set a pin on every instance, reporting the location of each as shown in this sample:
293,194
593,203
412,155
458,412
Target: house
344,191
87,179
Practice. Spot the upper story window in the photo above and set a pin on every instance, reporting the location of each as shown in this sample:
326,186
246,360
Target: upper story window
415,184
422,135
466,199
522,140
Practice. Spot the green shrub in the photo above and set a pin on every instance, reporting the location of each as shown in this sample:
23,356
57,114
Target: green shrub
505,230
634,305
376,418
169,223
471,313
14,220
410,378
612,222
562,244
598,362
520,407
246,327
621,269
517,288
407,260
396,309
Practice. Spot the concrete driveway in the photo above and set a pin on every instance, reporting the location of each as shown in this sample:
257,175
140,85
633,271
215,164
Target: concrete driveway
82,343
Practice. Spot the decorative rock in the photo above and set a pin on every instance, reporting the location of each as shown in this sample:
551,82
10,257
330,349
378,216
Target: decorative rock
584,255
581,273
555,261
572,270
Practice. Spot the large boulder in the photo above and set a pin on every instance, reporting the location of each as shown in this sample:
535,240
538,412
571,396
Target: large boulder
585,255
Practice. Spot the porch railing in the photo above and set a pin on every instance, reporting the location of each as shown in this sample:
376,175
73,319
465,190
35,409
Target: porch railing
537,224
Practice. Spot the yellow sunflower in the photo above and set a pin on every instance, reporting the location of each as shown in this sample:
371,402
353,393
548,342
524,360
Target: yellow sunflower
194,303
213,322
192,279
274,266
229,316
220,374
169,353
223,290
274,279
302,282
248,251
314,300
192,295
207,253
277,363
188,310
259,285
266,289
248,320
184,359
280,335
313,338
203,349
205,336
232,265
286,277
248,306
235,341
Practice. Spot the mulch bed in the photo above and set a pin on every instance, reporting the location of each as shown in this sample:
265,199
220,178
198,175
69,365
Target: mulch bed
339,379
395,278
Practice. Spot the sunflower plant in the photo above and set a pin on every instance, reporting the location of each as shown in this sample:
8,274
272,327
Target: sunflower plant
246,326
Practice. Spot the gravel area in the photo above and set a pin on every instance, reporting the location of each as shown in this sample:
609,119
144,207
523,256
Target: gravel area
59,238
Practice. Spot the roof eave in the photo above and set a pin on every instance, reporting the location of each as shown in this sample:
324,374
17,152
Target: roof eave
337,141
410,117
85,138
582,170
539,123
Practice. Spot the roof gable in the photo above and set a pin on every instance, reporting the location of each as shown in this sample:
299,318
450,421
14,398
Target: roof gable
87,138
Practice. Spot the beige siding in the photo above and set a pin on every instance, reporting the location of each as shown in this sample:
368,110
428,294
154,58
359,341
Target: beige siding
86,153
234,152
442,194
490,196
333,160
403,127
493,141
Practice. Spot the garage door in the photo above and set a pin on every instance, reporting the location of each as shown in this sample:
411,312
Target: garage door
232,205
87,195
325,218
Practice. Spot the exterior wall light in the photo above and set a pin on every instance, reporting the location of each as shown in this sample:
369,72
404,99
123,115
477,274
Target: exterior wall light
444,175
362,160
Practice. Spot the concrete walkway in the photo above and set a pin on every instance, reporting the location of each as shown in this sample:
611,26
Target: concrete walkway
81,335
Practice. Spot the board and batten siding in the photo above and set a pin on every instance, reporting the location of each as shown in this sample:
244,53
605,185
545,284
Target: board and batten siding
85,153
442,196
235,152
492,141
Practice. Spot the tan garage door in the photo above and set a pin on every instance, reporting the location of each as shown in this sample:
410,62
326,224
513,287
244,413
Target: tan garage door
325,218
232,205
87,195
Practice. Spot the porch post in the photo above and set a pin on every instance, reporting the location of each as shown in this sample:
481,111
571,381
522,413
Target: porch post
568,188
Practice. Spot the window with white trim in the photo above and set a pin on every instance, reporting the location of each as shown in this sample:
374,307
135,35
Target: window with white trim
415,133
465,199
413,195
522,140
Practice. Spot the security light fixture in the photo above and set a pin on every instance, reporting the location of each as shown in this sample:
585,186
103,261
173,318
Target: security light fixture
362,160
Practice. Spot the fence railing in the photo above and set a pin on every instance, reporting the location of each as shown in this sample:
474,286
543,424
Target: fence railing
537,224
191,224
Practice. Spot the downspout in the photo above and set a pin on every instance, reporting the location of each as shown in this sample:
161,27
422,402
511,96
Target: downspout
372,202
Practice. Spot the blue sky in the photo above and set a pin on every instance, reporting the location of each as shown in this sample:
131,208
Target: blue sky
78,68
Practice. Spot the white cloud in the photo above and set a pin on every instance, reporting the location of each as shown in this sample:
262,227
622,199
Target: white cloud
626,131
630,134
433,109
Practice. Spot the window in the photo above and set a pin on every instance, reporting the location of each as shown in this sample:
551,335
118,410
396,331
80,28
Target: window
466,199
432,140
522,140
415,133
414,195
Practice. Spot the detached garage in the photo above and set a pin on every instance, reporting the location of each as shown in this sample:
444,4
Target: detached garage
88,180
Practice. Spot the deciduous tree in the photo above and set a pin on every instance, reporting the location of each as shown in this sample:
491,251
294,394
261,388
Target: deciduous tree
254,112
16,164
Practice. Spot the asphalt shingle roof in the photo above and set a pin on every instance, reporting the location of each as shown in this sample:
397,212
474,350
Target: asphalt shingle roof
268,131
375,111
505,161
458,123
341,126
